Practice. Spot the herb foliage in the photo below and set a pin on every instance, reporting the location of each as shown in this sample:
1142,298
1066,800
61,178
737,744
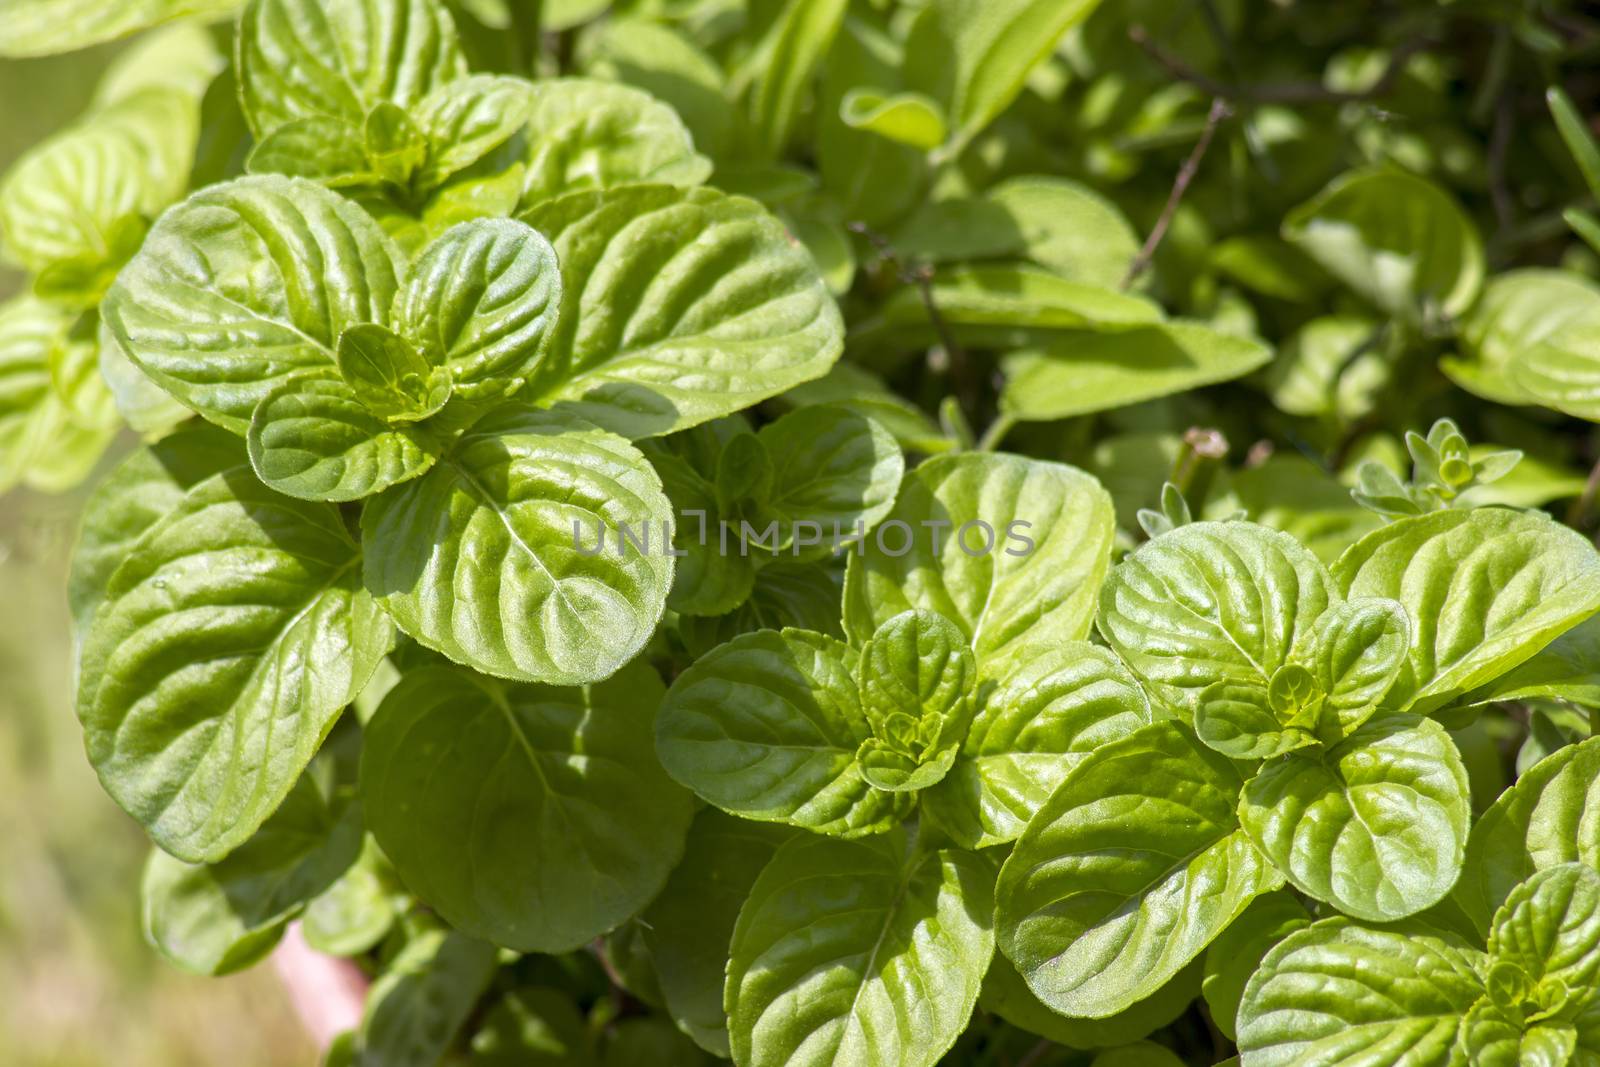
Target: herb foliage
669,531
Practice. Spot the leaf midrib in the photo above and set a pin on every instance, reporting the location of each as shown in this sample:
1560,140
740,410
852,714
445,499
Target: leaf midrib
479,490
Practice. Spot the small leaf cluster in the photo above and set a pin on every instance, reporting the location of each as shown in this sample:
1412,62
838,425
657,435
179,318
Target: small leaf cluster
558,569
1443,468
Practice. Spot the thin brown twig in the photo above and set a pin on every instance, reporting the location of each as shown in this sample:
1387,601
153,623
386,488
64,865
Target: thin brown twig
1278,92
920,275
1220,110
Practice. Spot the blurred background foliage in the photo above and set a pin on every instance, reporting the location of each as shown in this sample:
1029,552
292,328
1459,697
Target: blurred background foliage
78,986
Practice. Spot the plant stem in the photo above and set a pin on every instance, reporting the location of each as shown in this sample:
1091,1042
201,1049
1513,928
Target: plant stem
921,276
1003,424
525,38
1196,464
1220,109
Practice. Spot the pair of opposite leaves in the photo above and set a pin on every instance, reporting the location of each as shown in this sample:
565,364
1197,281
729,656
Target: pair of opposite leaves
1367,810
1009,611
375,96
1547,586
675,306
801,488
1337,990
1427,990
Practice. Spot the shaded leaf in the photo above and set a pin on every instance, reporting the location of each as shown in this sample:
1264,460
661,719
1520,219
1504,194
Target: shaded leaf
533,817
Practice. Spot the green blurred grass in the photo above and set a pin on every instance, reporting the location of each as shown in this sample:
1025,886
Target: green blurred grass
78,985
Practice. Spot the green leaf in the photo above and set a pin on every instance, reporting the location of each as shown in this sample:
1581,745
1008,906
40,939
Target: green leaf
1236,954
803,596
1128,871
56,415
1008,996
956,230
1246,721
481,300
1269,265
463,121
588,135
722,308
395,146
1563,370
1292,494
668,65
1041,720
689,925
869,177
1069,228
974,55
144,406
30,331
1359,649
1568,669
767,727
299,59
357,911
907,118
1584,224
229,641
33,335
222,917
1492,1035
847,385
1138,1054
1213,602
713,575
918,680
858,952
1012,550
488,557
1576,134
785,64
832,469
1376,825
182,55
1400,241
76,207
246,286
46,27
1519,311
1485,589
323,149
314,439
388,376
532,817
1333,368
1008,306
653,1041
1551,816
1084,371
533,1026
1549,929
423,998
1336,993
139,493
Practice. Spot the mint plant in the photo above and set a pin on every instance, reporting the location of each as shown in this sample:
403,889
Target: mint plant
818,533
